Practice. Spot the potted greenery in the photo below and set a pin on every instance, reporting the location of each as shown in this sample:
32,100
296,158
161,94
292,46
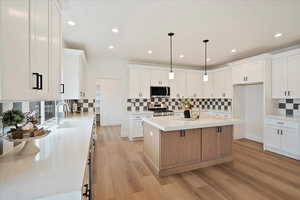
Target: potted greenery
187,106
13,118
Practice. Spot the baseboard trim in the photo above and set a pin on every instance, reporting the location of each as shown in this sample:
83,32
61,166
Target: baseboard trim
254,138
279,151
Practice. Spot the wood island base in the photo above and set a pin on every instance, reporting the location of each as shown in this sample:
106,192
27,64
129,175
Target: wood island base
173,152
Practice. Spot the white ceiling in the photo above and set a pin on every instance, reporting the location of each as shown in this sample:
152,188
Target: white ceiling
245,25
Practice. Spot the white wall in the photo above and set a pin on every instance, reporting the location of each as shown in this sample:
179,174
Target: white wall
107,67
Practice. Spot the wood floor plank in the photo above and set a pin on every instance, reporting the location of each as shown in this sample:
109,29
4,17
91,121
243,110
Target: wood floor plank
121,173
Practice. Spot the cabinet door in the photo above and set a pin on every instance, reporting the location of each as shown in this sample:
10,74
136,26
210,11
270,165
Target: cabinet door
293,71
159,77
225,140
210,144
194,84
290,141
272,137
135,128
134,88
178,84
71,75
279,78
255,72
227,88
39,42
144,82
56,51
14,50
139,83
171,143
192,146
238,74
218,86
208,86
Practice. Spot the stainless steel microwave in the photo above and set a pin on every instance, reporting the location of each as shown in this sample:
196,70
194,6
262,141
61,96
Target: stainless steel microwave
159,91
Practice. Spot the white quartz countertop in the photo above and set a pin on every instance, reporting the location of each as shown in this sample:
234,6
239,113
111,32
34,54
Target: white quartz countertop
56,172
282,117
172,123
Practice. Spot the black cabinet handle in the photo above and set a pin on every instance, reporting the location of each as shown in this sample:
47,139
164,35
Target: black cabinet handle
289,93
36,87
40,81
86,192
281,132
62,87
277,131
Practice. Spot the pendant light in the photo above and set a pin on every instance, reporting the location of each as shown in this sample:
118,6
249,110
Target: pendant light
205,76
171,73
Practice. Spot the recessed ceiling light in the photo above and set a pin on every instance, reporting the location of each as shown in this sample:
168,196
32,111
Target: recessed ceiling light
115,30
150,52
277,35
233,51
208,59
181,56
71,23
111,47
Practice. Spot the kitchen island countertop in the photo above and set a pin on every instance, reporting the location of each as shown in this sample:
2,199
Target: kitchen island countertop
172,123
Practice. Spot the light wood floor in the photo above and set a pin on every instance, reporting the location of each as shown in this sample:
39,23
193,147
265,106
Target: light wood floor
121,173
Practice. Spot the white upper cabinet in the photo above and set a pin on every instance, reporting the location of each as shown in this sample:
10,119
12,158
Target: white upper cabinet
39,43
248,72
222,83
285,74
73,76
139,82
55,51
159,77
26,51
194,84
14,39
293,72
178,84
279,80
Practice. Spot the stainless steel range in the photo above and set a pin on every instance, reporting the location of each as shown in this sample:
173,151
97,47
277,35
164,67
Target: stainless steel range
160,110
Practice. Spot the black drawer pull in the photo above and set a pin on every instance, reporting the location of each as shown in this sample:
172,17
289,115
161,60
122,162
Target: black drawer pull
36,87
41,82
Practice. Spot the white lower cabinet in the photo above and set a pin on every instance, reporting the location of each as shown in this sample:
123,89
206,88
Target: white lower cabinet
135,125
283,137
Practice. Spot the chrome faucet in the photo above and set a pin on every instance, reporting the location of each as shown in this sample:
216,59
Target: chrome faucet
60,113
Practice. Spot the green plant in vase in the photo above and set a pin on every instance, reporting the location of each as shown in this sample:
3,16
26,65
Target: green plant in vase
13,118
186,104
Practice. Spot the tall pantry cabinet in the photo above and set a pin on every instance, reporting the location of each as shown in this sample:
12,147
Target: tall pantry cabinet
31,43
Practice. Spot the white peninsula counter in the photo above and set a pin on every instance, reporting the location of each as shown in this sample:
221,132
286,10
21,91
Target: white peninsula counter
56,172
174,144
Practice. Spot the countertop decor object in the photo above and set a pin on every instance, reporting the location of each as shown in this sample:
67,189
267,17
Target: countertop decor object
30,147
13,118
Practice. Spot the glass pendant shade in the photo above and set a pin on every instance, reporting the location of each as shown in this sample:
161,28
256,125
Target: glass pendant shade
205,77
171,75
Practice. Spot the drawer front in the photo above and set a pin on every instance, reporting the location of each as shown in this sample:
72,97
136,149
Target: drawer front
282,123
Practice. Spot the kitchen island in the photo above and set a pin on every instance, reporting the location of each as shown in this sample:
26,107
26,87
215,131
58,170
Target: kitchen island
174,144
